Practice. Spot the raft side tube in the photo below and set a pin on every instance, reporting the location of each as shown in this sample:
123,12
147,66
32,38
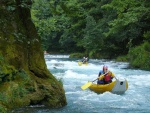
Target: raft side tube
120,87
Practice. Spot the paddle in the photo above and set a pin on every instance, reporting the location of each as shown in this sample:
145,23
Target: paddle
89,84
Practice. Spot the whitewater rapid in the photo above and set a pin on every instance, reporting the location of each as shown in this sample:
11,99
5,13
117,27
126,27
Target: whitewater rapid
135,100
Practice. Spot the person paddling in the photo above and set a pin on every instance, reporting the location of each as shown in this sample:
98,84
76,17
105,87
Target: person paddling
85,60
105,76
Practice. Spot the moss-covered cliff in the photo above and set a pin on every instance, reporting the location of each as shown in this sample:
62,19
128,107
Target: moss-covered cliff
24,77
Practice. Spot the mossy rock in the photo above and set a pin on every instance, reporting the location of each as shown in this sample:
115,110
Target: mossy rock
24,77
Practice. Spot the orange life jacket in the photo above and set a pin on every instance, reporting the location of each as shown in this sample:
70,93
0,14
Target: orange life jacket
107,78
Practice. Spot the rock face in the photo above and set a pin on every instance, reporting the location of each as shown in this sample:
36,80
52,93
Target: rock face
24,77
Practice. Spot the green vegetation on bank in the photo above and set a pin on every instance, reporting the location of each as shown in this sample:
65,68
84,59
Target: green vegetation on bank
140,55
99,28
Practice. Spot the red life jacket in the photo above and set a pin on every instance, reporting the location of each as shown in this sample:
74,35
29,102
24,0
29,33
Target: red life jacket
107,78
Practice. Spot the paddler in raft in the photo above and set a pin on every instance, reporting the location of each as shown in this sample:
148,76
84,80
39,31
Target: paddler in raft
85,60
105,76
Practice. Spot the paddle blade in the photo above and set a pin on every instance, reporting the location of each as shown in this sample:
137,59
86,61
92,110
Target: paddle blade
86,85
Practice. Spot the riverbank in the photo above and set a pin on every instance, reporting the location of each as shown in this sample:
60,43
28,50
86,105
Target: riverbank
138,58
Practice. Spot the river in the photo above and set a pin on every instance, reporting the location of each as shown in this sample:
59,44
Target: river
135,100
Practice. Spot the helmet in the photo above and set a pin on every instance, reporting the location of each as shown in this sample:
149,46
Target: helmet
105,67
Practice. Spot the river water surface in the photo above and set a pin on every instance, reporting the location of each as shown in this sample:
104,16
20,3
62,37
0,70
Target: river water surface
135,100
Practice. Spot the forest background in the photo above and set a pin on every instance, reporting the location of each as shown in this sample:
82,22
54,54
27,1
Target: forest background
110,29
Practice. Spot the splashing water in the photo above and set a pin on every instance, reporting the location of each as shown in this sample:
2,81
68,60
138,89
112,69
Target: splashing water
135,100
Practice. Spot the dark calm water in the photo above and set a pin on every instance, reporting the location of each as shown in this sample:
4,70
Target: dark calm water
135,100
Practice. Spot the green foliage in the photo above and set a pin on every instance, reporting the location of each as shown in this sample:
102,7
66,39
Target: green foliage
11,5
139,56
129,21
77,55
146,35
102,29
122,58
11,8
92,35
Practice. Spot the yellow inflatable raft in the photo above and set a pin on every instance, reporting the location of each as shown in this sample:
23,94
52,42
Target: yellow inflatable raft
119,86
82,64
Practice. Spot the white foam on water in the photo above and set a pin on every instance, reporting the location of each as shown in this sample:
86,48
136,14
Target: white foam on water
55,56
75,76
135,100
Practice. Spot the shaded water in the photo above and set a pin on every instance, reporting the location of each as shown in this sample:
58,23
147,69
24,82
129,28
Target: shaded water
135,100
